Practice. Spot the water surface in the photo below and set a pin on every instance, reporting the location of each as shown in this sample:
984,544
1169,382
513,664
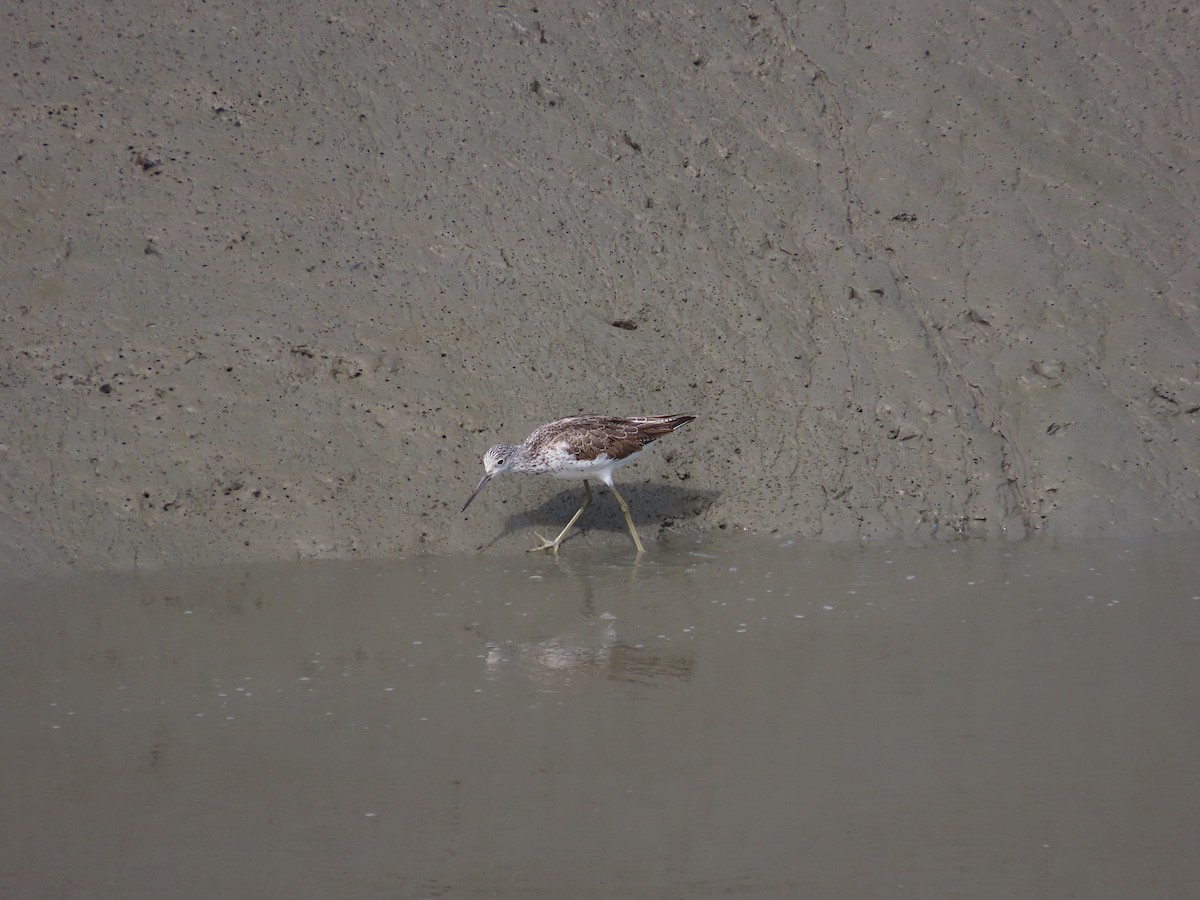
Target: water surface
728,717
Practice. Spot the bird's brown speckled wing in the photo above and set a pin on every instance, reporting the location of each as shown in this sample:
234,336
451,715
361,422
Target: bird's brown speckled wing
588,437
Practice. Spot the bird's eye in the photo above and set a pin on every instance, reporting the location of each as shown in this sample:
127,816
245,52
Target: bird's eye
500,461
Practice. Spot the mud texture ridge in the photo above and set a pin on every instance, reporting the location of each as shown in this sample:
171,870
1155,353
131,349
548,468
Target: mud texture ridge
274,277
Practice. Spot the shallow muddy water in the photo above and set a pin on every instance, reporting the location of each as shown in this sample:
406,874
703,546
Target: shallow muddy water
729,717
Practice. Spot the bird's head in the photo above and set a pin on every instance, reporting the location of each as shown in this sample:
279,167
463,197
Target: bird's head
496,461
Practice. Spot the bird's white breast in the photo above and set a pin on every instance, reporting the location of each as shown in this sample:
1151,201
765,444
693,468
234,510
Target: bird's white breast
559,462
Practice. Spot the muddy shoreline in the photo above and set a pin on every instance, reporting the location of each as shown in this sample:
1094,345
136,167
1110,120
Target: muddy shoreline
274,279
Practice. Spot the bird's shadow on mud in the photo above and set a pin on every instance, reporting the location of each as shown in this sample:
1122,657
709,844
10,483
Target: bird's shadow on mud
651,504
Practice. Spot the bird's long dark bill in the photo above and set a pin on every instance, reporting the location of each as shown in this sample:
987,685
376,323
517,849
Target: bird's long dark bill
475,493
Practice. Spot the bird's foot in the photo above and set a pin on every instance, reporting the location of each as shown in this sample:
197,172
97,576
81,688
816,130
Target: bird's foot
546,545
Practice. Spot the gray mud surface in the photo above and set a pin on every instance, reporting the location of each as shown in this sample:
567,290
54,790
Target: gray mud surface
272,277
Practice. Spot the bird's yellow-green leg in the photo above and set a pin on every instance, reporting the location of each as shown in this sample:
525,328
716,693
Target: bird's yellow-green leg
553,545
628,520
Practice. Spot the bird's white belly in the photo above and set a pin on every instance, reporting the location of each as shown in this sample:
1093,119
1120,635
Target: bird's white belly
561,464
